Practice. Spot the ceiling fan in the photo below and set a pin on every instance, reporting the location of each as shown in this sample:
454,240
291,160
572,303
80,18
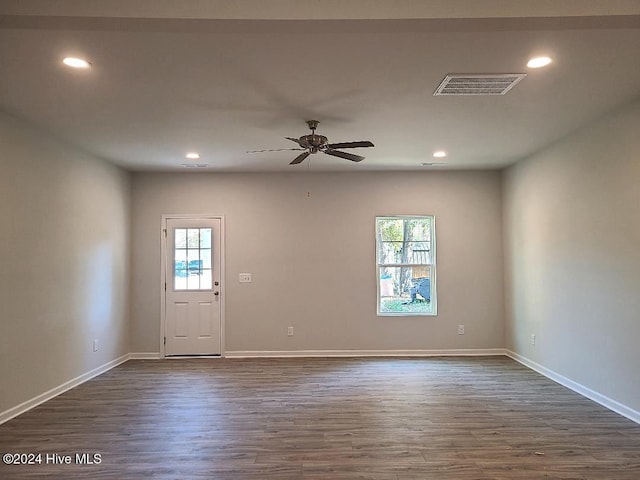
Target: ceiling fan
313,143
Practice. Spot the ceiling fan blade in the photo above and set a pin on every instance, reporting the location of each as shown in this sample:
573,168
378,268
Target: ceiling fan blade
365,143
300,158
273,150
348,156
293,140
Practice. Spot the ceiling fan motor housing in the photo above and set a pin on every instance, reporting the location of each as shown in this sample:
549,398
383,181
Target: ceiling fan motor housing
313,142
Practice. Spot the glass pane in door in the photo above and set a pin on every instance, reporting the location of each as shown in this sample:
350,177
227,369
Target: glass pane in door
192,259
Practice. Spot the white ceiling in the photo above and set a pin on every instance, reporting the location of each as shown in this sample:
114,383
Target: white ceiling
165,82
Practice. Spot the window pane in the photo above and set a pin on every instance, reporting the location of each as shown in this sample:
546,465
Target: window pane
205,238
193,255
193,262
390,229
406,289
193,237
180,280
180,264
193,282
389,252
181,237
195,266
206,280
181,272
205,258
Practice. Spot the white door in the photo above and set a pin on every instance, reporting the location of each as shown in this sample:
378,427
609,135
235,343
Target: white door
193,305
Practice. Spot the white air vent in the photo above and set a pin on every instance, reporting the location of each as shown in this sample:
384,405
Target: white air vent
194,165
478,84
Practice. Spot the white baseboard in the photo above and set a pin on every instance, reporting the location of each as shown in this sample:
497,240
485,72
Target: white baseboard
363,353
54,392
606,402
144,356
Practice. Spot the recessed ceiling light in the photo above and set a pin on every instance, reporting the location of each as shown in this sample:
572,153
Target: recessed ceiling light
439,154
76,62
193,155
538,62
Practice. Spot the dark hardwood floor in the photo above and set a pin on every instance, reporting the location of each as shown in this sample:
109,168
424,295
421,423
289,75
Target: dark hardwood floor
333,419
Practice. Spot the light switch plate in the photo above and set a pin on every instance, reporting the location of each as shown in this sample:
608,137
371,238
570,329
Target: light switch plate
245,278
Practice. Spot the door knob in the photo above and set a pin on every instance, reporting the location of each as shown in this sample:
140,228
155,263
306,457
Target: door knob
216,293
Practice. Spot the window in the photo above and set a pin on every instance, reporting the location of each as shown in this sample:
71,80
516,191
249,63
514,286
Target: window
192,259
406,265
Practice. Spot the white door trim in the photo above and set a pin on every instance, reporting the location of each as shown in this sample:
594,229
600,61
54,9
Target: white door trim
163,275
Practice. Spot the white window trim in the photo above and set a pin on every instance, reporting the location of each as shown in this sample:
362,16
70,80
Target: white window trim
434,283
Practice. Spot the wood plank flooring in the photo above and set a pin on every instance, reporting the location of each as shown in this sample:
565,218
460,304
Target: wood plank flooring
331,419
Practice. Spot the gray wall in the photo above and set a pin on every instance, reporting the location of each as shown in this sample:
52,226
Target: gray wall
313,258
65,262
572,257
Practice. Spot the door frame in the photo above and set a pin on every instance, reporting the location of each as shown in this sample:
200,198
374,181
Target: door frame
164,276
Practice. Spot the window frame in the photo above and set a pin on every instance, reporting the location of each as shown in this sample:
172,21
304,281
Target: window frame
432,265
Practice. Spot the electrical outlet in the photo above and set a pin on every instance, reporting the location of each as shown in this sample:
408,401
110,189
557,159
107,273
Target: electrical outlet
245,278
460,329
95,345
533,339
290,331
